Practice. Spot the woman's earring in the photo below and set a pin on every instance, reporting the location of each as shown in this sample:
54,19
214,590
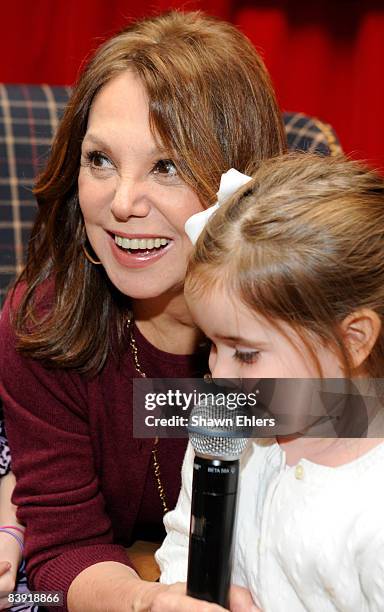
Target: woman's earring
87,255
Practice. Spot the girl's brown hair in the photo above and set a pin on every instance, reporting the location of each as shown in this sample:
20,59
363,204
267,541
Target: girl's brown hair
211,103
302,243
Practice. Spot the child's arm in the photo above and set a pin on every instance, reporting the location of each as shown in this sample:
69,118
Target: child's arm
370,559
172,557
10,545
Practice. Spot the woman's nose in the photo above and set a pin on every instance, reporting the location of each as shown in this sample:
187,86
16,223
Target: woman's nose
129,200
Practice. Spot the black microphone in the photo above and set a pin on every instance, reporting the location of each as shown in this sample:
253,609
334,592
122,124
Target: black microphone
215,438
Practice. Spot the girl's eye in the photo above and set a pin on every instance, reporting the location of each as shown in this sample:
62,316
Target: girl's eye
248,357
165,167
98,161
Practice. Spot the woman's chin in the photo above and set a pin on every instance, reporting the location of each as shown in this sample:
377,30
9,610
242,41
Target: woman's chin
146,290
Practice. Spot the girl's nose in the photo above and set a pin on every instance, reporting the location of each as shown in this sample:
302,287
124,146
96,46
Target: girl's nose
221,367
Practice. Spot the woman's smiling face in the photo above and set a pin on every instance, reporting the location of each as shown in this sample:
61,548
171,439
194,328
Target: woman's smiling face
133,202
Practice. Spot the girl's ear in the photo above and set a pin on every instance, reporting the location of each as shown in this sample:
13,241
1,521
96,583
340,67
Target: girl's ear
360,331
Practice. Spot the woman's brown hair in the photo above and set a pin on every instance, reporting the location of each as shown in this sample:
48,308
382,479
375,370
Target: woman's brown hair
302,243
211,103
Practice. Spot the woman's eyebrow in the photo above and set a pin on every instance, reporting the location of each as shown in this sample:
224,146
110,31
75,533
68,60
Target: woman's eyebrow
95,140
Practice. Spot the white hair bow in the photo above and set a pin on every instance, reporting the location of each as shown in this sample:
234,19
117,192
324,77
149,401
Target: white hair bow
230,182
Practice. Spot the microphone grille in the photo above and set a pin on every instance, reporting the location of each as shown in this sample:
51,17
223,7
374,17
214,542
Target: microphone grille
213,431
218,447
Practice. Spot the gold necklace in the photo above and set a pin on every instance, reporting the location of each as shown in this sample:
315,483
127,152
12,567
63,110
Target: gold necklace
155,461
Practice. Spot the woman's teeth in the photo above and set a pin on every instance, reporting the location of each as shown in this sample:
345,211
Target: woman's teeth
146,244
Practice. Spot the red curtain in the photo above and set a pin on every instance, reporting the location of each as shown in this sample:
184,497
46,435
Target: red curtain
326,58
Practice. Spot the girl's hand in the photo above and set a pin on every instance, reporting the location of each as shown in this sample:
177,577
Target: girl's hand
240,600
154,597
7,583
10,553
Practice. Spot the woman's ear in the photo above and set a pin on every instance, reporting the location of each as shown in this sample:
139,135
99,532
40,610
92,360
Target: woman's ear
360,331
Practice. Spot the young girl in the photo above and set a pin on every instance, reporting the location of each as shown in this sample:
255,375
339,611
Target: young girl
13,581
287,280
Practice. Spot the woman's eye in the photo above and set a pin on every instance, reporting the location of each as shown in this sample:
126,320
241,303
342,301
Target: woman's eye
165,167
98,161
248,357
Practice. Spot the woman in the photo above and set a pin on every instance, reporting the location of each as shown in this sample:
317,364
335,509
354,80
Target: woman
158,114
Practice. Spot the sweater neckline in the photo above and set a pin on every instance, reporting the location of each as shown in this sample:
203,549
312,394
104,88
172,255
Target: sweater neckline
152,351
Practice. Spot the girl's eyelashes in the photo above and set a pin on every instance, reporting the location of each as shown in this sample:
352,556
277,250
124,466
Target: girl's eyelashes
247,357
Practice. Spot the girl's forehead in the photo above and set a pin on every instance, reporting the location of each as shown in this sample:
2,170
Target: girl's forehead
225,315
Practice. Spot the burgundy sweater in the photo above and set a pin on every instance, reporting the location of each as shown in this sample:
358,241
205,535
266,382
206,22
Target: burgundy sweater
85,487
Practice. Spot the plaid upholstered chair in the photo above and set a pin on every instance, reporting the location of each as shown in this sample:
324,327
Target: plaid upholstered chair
29,115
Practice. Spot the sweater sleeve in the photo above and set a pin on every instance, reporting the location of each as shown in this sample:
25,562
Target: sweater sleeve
58,492
369,557
372,575
172,556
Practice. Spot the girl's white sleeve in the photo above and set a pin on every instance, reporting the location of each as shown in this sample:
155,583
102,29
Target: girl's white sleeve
370,563
172,556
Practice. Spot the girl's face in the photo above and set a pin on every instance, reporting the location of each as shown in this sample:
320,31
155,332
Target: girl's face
133,202
246,345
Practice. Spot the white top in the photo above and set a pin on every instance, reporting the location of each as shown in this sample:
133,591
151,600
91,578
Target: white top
308,537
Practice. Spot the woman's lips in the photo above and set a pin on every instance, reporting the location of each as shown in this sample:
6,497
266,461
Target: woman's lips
137,259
